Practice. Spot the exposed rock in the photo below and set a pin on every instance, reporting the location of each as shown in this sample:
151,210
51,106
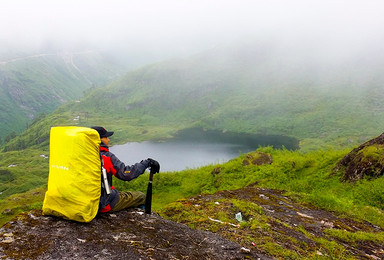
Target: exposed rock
367,160
7,212
121,235
257,158
274,224
216,171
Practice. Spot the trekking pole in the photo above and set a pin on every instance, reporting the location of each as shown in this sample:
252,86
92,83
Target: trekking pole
148,198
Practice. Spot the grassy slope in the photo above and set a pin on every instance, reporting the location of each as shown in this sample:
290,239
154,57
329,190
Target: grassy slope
255,90
305,175
237,93
34,85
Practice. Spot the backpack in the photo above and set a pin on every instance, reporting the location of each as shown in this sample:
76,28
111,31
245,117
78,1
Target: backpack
74,173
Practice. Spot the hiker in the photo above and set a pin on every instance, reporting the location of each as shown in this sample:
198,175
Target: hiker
118,200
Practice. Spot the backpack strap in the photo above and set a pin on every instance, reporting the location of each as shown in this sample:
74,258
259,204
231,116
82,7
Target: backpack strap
104,177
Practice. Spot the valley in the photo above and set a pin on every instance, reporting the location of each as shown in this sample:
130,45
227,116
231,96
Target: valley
323,112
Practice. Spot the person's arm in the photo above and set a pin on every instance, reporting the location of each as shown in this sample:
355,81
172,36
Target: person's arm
128,172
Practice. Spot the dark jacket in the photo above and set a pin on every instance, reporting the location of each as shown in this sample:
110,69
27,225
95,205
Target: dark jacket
117,168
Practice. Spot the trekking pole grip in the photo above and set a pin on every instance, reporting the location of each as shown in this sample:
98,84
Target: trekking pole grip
148,198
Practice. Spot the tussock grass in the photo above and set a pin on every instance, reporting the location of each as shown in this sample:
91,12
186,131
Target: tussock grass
305,176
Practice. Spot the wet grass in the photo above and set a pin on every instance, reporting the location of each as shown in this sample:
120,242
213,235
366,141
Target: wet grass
18,203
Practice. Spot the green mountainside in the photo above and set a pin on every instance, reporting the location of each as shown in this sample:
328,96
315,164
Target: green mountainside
31,85
248,88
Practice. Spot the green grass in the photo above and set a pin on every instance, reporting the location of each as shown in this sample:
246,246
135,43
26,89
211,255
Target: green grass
359,236
21,202
28,170
305,176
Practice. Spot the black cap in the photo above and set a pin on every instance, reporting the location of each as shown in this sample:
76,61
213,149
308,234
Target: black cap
102,132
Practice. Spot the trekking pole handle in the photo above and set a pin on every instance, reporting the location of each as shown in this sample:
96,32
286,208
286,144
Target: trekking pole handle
151,177
106,184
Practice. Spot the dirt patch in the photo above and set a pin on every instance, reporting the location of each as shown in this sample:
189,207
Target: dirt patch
122,235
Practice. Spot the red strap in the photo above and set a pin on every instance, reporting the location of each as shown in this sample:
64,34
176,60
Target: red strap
104,149
106,209
108,166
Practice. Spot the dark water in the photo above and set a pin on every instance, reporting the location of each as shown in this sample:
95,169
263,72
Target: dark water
192,148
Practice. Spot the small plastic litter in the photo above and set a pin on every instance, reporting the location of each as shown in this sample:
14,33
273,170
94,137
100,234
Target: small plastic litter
303,215
245,250
239,217
221,222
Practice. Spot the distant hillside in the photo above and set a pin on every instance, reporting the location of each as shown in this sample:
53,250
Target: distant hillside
32,84
257,87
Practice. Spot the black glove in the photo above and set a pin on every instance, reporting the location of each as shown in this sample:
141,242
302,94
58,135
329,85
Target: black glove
154,166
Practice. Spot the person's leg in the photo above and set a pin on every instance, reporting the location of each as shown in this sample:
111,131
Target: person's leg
129,199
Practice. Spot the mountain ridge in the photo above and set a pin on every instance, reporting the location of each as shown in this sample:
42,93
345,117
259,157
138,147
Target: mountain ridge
255,90
33,84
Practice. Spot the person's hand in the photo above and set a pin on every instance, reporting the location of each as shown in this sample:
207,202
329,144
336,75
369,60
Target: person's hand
154,166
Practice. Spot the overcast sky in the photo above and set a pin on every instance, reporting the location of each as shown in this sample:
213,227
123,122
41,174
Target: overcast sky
182,25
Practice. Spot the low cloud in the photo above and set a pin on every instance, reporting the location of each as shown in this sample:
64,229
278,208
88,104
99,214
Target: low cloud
185,26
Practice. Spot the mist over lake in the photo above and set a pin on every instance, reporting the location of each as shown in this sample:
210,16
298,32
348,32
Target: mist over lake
195,147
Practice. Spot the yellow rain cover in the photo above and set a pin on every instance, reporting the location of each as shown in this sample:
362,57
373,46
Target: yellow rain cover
74,182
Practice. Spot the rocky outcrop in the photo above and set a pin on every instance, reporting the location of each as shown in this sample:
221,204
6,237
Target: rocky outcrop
122,235
365,161
272,223
257,158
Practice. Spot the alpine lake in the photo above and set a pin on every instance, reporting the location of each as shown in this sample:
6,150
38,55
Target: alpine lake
195,147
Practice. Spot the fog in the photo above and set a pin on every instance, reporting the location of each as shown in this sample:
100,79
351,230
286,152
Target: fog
166,28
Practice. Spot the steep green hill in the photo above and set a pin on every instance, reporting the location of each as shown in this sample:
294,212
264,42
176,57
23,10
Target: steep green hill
252,88
34,84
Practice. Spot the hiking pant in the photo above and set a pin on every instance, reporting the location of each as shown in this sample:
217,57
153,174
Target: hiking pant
129,199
